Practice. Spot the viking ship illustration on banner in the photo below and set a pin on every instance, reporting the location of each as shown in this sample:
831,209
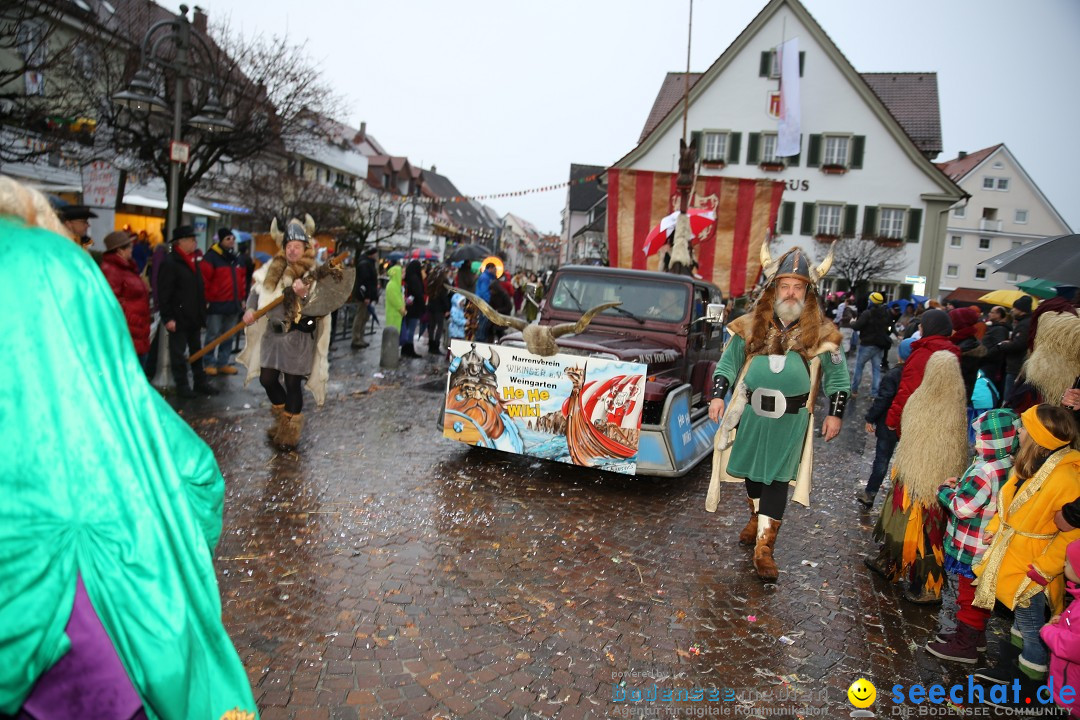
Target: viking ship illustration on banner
569,408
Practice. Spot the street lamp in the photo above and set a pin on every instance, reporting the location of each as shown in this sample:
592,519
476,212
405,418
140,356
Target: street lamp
141,95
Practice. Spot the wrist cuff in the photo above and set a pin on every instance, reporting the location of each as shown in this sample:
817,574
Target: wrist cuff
837,403
719,387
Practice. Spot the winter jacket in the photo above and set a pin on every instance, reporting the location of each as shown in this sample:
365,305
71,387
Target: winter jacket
1046,549
456,329
1016,348
414,288
993,363
1063,640
225,280
912,376
180,292
890,383
131,291
366,285
873,326
395,299
483,286
973,502
500,301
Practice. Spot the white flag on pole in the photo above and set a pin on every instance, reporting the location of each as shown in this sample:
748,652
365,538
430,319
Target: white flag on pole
788,129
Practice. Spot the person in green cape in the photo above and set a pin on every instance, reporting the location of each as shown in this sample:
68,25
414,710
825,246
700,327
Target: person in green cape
780,353
110,509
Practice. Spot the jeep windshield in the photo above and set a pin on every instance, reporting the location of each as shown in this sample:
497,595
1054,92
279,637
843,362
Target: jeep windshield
641,299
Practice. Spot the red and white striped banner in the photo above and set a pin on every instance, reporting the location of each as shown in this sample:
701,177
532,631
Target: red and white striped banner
728,253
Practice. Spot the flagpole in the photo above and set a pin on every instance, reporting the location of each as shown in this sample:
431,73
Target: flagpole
686,78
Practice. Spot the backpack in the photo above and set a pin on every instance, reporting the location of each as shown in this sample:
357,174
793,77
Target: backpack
985,394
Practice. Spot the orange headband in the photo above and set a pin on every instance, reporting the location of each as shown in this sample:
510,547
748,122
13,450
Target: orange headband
1038,432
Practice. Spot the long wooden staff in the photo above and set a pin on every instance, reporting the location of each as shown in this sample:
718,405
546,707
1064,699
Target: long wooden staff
258,314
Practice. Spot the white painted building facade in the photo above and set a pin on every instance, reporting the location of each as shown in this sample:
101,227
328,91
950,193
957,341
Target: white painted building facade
882,183
1006,210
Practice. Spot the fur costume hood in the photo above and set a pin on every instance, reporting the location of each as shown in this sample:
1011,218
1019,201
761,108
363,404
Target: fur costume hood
811,335
933,430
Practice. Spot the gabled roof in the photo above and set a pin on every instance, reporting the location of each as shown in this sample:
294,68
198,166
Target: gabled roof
858,83
671,92
527,227
583,195
439,186
958,167
912,98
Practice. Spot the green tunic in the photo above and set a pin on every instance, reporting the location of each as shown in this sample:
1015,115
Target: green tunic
768,449
101,478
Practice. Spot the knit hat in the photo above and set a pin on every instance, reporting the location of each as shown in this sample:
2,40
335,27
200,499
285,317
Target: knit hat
963,317
904,351
936,322
223,233
184,231
877,298
1072,554
1023,304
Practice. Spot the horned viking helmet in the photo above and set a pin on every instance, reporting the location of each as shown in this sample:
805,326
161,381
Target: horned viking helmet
294,230
794,263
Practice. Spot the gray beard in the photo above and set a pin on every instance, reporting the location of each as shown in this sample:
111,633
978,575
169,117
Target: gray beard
788,312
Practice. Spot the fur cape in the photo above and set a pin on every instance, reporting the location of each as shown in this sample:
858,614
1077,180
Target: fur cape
933,430
267,292
1054,364
811,336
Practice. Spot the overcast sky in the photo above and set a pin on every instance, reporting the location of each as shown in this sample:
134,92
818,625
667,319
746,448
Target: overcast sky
503,95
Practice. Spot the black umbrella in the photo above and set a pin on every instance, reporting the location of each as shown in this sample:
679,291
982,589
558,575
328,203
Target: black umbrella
468,253
1055,258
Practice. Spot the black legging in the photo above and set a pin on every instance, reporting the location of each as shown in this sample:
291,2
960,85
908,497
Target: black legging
773,497
291,396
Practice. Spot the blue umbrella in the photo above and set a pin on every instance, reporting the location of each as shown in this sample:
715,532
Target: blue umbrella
262,257
396,256
919,299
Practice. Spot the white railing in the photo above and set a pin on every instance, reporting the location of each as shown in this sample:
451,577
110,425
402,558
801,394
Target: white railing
991,225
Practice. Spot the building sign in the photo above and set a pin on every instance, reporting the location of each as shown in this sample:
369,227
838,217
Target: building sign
100,184
567,408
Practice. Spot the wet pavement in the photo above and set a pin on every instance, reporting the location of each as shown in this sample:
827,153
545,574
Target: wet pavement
385,572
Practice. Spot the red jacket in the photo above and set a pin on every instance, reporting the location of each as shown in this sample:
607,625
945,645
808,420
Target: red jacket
911,378
225,279
130,290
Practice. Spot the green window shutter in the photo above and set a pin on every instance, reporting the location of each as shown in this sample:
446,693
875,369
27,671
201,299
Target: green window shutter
807,219
858,146
734,146
802,62
787,218
869,222
695,142
851,213
813,152
914,221
793,161
753,148
763,69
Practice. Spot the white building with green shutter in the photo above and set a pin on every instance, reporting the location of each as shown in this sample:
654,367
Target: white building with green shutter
865,168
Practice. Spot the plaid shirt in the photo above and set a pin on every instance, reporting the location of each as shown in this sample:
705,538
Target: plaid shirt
973,501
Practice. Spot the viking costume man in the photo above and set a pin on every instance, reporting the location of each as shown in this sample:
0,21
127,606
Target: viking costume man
775,361
287,344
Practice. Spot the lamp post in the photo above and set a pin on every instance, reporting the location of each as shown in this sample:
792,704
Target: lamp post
141,95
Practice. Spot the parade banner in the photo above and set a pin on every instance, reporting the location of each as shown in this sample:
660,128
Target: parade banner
727,252
568,408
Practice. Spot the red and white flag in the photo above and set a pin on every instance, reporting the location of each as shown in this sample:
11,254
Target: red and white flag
788,129
728,252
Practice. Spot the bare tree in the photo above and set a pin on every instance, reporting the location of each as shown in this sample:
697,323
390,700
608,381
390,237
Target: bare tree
860,260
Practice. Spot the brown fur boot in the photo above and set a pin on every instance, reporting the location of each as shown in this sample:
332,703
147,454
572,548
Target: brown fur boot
288,435
748,536
276,411
763,551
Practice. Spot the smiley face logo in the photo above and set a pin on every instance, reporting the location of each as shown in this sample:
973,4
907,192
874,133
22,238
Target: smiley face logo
862,693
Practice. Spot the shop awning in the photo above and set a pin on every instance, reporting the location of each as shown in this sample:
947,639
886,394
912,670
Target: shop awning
160,204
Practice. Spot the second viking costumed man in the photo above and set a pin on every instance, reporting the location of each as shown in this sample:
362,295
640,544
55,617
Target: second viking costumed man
285,344
775,361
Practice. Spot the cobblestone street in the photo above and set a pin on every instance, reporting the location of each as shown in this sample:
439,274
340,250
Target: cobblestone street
384,572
